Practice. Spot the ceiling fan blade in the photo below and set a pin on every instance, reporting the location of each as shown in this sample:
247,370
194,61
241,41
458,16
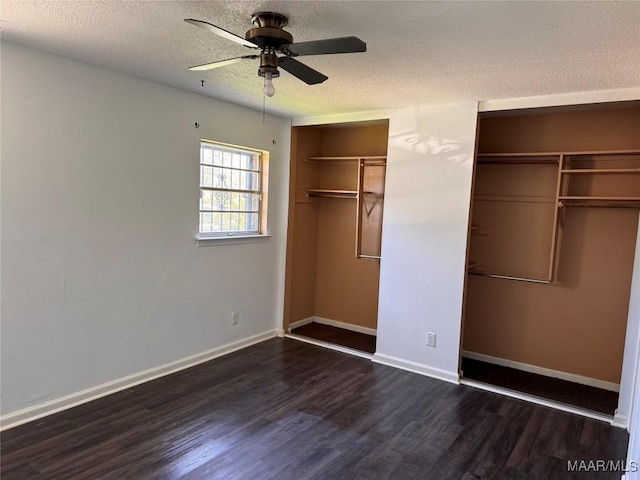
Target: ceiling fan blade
221,32
222,63
324,47
300,70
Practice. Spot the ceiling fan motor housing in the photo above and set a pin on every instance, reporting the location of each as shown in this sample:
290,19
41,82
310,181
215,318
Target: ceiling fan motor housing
269,63
268,33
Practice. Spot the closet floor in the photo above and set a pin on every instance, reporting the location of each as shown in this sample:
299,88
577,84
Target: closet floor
338,336
583,396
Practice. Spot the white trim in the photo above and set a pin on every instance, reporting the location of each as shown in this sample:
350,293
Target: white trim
300,323
537,400
451,377
29,414
547,372
333,323
341,118
330,346
204,241
631,358
620,421
345,326
576,98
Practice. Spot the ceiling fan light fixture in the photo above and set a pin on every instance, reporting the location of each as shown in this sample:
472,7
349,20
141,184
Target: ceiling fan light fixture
269,90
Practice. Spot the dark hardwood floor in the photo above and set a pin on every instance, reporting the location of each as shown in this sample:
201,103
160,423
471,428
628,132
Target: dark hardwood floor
339,336
570,393
284,409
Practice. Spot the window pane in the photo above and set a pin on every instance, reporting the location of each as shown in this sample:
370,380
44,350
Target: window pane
251,162
205,222
229,201
250,181
231,222
206,176
218,177
206,156
217,157
253,222
221,177
206,200
231,174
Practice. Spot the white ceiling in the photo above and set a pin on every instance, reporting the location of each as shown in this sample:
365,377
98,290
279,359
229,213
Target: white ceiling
418,52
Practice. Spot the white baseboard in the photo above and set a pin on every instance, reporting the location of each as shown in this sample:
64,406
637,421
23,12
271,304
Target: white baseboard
333,323
346,326
547,372
451,377
300,323
620,421
330,346
29,414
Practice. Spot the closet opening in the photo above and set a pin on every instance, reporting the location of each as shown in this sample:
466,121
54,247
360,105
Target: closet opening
334,234
552,237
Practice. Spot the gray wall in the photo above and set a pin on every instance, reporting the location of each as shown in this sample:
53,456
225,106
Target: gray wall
101,275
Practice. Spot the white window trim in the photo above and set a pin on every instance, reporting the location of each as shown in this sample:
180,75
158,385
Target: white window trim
204,239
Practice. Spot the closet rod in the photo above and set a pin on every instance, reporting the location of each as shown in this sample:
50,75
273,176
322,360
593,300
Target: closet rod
508,277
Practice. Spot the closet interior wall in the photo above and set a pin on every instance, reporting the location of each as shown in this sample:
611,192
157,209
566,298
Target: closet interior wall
324,277
576,324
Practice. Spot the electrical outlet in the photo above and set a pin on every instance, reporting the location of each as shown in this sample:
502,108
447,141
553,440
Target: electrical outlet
431,339
235,318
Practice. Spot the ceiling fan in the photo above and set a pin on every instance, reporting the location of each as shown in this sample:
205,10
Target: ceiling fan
276,49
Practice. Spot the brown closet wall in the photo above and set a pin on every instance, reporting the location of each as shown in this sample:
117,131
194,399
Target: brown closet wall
324,278
302,235
576,324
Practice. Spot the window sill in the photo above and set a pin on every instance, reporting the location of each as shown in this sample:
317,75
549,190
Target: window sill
206,241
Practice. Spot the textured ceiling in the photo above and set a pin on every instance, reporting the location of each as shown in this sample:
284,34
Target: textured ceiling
418,52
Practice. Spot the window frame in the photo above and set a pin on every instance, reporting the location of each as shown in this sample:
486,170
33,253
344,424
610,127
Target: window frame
239,236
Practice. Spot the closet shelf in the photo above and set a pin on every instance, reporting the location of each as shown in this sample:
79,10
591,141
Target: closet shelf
557,154
603,199
602,153
315,192
520,154
598,171
343,159
514,198
518,158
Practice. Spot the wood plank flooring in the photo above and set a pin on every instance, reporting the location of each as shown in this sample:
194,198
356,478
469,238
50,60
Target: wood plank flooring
339,336
284,409
570,393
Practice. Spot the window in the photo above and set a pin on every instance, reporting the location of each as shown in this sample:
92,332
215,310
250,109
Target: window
232,198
